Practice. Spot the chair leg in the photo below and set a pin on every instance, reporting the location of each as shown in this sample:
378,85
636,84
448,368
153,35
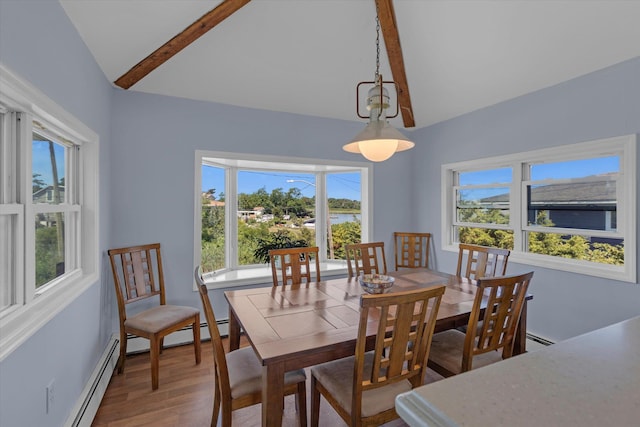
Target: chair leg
216,404
123,350
226,415
155,347
196,338
301,403
315,403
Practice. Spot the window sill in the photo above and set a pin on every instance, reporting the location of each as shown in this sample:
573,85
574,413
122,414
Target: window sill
21,323
261,275
623,274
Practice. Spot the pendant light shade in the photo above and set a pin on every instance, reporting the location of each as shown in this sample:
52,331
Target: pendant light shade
378,141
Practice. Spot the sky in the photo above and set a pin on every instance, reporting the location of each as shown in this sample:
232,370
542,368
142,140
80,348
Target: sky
41,161
339,186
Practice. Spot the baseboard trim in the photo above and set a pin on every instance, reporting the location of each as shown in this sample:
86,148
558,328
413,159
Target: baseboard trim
136,344
85,410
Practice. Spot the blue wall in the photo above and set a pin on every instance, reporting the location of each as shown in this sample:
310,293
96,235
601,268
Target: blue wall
602,104
39,43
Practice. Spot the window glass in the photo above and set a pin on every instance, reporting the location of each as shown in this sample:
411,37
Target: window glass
50,239
212,255
48,169
275,204
344,221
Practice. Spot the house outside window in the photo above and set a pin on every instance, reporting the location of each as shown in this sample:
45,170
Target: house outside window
571,208
246,205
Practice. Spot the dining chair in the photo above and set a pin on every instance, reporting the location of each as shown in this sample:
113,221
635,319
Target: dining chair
291,265
362,388
367,258
490,332
411,249
481,261
138,275
238,374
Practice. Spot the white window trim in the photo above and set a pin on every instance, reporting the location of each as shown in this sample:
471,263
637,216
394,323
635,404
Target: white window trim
22,321
624,146
250,275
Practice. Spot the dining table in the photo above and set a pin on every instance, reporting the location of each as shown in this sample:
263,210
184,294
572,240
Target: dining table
297,326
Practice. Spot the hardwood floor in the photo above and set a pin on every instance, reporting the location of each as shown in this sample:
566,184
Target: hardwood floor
185,395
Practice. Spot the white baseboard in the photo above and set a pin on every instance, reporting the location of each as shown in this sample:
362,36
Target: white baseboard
137,344
85,410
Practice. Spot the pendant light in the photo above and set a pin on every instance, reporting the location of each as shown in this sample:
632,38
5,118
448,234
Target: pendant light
378,141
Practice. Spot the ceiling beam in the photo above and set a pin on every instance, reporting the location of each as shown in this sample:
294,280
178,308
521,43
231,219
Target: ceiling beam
389,28
179,42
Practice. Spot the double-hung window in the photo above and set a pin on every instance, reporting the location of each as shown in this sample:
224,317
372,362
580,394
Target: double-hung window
571,207
48,209
246,205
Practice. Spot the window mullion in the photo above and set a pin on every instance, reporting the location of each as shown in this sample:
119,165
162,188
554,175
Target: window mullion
231,217
322,214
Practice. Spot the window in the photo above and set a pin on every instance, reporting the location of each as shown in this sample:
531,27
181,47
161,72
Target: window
571,208
48,210
246,205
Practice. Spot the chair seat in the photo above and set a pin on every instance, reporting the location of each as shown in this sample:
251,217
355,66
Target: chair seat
446,351
245,373
337,377
161,317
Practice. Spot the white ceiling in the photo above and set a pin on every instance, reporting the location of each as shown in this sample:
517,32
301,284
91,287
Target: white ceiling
307,56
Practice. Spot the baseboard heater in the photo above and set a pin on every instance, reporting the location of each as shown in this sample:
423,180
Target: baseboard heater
85,410
136,344
538,339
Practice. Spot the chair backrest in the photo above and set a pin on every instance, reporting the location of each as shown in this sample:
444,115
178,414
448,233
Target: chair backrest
219,359
367,258
404,323
294,265
137,274
411,249
482,261
494,317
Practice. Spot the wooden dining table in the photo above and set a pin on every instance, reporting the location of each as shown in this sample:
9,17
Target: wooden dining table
297,326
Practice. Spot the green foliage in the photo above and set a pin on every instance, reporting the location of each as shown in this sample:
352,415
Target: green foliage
281,239
47,257
345,233
572,247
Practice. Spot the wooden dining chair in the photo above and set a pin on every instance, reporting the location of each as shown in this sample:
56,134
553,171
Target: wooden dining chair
238,374
362,388
491,330
481,261
367,258
138,275
291,265
411,249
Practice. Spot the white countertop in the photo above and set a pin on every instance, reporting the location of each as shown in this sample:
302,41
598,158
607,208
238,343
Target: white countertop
589,380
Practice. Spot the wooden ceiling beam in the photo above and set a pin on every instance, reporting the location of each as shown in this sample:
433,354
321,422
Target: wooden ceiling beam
389,28
179,42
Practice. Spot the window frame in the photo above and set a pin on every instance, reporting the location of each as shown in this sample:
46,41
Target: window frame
33,308
241,275
623,146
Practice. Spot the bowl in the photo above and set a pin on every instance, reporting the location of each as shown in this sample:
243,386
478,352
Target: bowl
376,283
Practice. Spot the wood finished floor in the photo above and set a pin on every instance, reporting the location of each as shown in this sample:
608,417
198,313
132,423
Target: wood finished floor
185,395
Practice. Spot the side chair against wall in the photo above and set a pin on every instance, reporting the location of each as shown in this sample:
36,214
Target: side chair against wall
238,374
481,261
490,333
367,258
294,265
362,388
137,274
411,249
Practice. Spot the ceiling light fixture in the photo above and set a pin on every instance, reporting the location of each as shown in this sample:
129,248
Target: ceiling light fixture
378,141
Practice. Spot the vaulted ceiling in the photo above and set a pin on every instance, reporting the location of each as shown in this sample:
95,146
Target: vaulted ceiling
307,56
